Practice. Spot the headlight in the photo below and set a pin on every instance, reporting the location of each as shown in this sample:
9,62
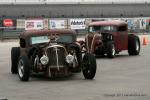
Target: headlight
44,60
69,58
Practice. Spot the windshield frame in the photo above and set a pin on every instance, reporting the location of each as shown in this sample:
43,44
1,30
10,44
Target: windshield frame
30,39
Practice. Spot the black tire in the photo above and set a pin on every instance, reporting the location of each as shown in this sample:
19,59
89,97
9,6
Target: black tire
89,66
133,45
110,49
15,53
23,68
99,51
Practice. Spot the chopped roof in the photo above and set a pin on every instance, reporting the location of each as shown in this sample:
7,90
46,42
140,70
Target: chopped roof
44,32
109,22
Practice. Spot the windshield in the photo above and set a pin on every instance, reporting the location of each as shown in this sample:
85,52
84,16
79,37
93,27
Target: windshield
58,39
39,39
65,39
102,29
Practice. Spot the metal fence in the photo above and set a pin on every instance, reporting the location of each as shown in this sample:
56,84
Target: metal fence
9,34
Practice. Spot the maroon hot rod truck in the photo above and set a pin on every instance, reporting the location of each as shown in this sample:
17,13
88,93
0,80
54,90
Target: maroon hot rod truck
111,37
55,53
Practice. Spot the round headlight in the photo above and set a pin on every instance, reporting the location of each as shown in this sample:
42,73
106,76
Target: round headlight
69,58
44,60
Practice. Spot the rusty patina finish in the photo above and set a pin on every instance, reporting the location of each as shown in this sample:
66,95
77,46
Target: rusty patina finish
106,23
120,38
29,33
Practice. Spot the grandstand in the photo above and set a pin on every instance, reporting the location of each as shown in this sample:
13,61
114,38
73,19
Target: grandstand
74,8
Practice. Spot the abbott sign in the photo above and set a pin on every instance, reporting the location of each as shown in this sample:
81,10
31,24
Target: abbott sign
77,23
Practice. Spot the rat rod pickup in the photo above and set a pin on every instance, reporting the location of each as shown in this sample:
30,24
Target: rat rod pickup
53,52
111,37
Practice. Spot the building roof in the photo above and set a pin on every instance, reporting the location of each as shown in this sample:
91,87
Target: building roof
72,1
75,10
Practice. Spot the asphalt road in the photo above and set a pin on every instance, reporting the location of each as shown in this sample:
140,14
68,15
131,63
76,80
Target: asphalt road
122,78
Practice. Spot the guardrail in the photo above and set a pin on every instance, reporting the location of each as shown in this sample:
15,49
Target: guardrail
9,34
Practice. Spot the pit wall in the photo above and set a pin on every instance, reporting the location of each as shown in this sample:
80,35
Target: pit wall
137,25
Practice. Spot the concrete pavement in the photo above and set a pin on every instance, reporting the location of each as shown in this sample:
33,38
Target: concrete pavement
122,78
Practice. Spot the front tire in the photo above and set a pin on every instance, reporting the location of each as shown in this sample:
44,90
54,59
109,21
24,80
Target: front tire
133,45
89,66
15,53
23,68
110,49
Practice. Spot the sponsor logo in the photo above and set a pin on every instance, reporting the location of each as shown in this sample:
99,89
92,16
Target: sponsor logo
8,22
78,23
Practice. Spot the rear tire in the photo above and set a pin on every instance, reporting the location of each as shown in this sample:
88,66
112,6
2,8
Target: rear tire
89,66
133,45
15,53
110,49
23,68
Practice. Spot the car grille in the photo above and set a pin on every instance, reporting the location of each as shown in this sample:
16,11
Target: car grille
56,56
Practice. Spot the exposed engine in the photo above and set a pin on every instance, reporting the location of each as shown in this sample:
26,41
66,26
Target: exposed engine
55,57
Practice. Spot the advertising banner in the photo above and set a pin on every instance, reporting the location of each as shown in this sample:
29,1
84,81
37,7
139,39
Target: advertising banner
136,24
45,23
87,22
20,24
133,24
130,24
57,24
77,24
143,23
148,21
9,24
34,24
147,24
1,24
